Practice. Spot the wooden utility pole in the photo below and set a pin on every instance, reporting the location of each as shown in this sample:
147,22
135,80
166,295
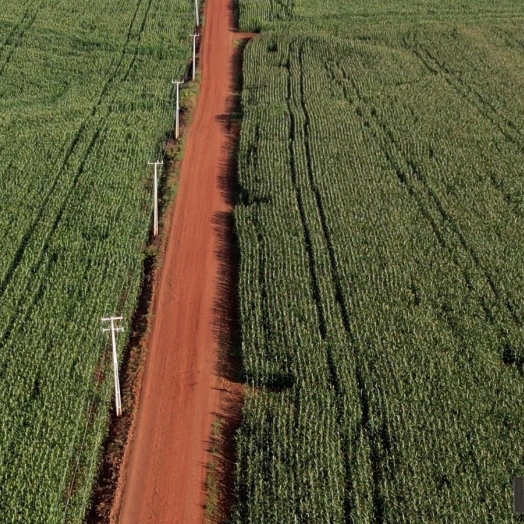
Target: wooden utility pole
177,117
195,36
114,329
155,196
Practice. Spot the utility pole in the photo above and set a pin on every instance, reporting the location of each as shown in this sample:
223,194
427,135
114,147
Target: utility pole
177,118
155,197
196,14
195,36
114,329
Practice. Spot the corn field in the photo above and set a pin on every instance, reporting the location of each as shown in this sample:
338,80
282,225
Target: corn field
85,102
380,219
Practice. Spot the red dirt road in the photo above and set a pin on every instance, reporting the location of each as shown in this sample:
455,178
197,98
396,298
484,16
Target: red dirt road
165,464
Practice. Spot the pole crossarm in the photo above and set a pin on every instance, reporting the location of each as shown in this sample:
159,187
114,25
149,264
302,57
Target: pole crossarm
114,329
112,318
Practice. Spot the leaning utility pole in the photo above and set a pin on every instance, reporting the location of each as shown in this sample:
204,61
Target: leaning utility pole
196,14
195,36
177,118
114,329
155,197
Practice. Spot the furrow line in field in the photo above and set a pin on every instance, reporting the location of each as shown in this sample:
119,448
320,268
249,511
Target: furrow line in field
138,40
43,250
374,452
9,437
336,281
434,211
112,76
315,288
67,200
14,39
19,315
457,238
467,92
72,150
30,231
335,276
17,25
264,300
448,219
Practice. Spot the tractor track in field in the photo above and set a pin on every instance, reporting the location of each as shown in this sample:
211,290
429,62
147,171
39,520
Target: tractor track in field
495,305
75,155
17,34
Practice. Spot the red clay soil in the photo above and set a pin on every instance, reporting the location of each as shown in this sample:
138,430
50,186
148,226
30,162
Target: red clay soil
164,472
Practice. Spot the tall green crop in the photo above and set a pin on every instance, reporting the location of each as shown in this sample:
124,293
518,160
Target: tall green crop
85,101
380,223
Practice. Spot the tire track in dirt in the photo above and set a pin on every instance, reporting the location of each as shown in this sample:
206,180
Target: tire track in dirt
185,387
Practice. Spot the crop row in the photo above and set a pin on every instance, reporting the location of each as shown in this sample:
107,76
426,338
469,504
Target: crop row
380,230
336,17
85,102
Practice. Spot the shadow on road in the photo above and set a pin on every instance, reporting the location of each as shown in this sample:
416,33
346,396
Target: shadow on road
227,315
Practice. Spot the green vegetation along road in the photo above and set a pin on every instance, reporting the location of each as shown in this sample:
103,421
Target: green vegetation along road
85,102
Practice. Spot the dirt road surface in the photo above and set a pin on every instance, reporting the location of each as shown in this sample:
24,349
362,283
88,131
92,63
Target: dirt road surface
165,463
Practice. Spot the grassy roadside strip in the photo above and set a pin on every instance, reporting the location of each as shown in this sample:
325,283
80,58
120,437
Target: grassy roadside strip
221,467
